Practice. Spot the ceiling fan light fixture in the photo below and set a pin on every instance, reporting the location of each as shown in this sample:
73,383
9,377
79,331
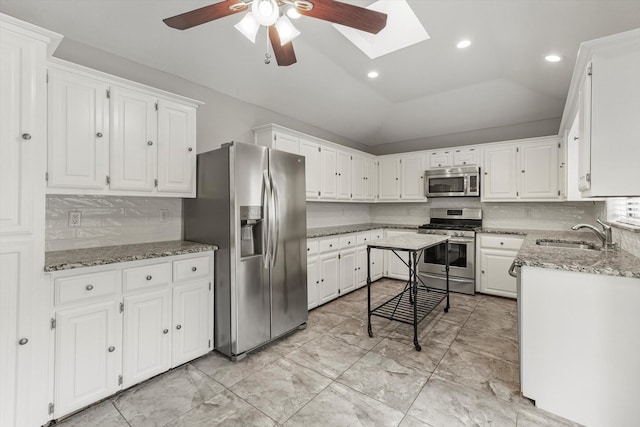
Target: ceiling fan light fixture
292,12
248,26
265,12
286,30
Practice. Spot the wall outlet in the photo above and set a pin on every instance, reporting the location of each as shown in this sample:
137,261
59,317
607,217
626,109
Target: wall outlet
164,215
74,218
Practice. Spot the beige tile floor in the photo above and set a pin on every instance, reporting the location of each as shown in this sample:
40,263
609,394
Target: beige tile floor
333,374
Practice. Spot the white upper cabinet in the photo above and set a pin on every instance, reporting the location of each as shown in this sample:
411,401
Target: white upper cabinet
311,153
527,170
114,137
176,152
389,178
358,178
344,175
465,157
78,131
328,173
134,133
287,143
605,96
370,179
412,177
440,159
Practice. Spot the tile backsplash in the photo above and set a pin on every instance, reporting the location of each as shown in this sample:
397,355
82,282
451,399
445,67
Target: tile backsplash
108,221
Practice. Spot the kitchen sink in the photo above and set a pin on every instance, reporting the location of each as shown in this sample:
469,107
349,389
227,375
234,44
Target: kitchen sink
566,244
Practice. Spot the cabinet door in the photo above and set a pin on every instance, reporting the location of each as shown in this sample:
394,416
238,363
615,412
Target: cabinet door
388,178
412,174
500,180
361,269
329,278
358,179
344,175
370,179
134,131
191,319
328,173
394,267
78,147
287,143
311,153
176,147
15,318
465,157
348,270
313,283
584,134
539,170
19,136
147,335
88,355
494,276
377,264
440,159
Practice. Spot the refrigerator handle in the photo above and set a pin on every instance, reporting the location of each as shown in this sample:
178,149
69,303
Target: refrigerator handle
266,219
276,223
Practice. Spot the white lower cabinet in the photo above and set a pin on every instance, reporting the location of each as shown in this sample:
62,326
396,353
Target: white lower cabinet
121,324
329,278
88,355
395,267
191,320
313,283
496,253
147,339
348,271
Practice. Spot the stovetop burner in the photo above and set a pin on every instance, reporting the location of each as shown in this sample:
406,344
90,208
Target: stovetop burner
460,219
463,227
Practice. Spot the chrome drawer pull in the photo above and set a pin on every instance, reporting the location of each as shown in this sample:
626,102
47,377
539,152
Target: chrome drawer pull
149,277
166,331
23,341
179,327
194,268
112,349
89,287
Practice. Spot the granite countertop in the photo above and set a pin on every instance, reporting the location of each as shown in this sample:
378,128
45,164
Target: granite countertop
346,229
496,230
88,257
612,262
409,242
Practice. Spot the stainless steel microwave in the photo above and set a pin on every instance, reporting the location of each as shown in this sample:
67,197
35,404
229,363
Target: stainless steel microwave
452,182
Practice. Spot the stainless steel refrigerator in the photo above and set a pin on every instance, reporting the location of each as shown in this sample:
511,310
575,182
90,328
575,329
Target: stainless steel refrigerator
251,203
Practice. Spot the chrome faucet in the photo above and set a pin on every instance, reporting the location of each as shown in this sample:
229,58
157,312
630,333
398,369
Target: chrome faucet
604,235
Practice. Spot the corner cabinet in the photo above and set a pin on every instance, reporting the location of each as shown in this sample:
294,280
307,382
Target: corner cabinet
24,334
526,170
119,324
496,252
113,137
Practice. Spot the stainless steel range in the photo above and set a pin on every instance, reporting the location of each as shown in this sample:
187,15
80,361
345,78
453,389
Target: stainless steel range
461,225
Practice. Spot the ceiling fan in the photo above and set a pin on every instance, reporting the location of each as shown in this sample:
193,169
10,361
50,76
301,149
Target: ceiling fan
281,31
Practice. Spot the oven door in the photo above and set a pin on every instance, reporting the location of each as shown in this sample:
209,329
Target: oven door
461,258
445,185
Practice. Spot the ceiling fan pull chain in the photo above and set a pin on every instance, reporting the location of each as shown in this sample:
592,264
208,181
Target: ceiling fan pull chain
267,55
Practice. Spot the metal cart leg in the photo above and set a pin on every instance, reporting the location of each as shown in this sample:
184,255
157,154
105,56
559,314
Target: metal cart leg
413,276
446,309
369,292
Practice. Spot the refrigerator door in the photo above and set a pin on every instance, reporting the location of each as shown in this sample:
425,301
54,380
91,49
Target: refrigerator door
250,298
289,248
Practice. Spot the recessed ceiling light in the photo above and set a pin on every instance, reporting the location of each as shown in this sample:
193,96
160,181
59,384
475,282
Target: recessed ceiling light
372,74
553,58
463,43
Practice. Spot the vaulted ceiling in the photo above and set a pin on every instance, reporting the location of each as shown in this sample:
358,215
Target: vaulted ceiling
428,89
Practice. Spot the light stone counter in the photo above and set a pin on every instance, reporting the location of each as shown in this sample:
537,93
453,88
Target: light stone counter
409,242
346,229
78,258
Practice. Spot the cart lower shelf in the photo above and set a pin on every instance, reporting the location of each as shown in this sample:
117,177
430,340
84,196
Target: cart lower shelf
400,307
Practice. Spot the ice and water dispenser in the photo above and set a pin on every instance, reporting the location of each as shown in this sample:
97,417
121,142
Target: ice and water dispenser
250,230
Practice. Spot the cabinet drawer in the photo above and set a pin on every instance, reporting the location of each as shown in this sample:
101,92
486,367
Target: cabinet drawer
148,275
364,238
86,286
312,247
501,242
330,244
191,268
377,235
348,241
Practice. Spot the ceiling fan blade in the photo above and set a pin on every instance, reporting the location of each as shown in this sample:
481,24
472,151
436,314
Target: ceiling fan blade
347,14
284,54
205,14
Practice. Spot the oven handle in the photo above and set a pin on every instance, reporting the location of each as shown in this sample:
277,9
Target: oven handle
451,279
461,239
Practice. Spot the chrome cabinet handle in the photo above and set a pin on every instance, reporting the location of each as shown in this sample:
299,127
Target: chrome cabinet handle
89,287
149,277
99,134
194,268
26,136
179,327
149,142
166,331
512,269
501,243
111,349
189,149
23,341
